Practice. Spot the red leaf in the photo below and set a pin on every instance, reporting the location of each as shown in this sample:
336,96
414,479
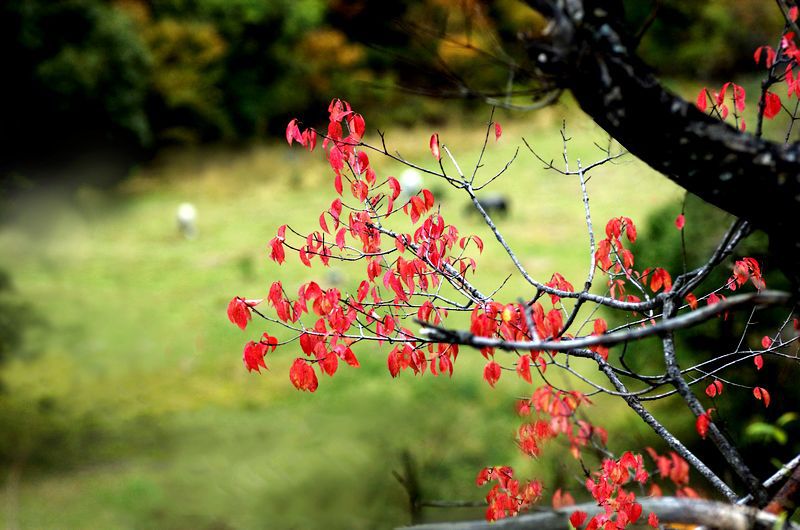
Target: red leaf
652,520
427,196
680,221
293,133
304,257
335,130
561,499
600,326
660,278
312,139
738,97
328,361
363,162
602,254
766,342
758,361
714,389
435,146
524,368
356,124
793,13
253,356
614,228
360,190
239,312
630,230
302,375
348,356
340,238
275,293
393,363
577,518
498,131
721,95
337,183
277,254
395,185
691,299
702,423
336,209
761,394
702,102
772,105
491,373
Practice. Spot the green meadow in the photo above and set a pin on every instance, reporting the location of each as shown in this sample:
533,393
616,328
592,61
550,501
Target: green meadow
128,405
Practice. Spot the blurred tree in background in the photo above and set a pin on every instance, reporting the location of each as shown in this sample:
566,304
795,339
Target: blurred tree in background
77,77
105,84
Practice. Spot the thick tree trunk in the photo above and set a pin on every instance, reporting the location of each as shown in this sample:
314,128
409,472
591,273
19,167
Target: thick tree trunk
589,53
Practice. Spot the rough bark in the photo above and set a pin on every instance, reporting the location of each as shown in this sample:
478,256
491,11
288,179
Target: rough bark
786,499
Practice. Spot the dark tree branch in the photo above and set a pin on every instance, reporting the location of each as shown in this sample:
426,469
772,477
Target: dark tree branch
785,501
764,298
588,51
725,447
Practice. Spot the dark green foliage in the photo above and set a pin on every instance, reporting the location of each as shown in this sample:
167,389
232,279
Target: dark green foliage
713,38
75,80
15,316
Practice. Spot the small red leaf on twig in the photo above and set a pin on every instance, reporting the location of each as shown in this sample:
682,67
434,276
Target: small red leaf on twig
772,105
758,361
761,394
703,422
702,102
714,389
435,146
577,518
491,373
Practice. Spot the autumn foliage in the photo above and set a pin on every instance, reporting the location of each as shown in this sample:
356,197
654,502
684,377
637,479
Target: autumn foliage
413,279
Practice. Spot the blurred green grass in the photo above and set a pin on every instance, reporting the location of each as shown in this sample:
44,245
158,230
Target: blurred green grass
134,335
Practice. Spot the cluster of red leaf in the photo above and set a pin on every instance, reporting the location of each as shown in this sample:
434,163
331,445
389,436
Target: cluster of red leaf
404,274
606,486
422,261
718,105
743,270
239,311
556,409
674,469
613,258
786,56
507,497
510,321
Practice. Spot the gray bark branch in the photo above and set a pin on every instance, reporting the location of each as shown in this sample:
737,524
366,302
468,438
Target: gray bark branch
668,509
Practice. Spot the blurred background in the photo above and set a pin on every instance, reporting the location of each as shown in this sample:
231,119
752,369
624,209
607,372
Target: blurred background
123,399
